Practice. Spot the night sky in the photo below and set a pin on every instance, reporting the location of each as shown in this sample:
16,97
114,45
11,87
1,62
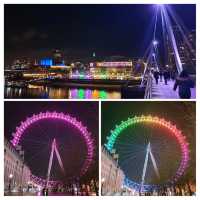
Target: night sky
133,142
38,137
79,30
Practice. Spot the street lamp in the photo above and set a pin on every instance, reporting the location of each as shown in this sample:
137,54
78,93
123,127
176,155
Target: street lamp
10,180
10,176
102,184
122,190
155,42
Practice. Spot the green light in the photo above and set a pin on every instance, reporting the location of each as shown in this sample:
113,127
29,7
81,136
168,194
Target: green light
81,94
119,129
103,94
81,76
131,121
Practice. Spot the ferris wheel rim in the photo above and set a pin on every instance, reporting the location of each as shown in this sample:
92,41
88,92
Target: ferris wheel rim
18,134
158,121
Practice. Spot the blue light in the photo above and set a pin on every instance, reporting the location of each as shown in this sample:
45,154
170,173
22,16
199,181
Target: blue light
47,62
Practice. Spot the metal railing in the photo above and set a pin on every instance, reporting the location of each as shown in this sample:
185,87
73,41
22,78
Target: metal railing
148,89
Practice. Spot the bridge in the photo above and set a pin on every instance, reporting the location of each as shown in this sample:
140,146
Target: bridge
162,91
171,46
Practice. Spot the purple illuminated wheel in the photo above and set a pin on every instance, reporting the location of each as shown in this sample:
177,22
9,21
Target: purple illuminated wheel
82,130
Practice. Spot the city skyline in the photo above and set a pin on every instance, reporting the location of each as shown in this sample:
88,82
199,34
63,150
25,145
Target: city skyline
80,30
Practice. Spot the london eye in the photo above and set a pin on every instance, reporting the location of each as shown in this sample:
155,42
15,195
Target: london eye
49,136
146,145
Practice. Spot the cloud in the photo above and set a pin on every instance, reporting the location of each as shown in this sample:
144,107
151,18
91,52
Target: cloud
44,36
15,38
29,35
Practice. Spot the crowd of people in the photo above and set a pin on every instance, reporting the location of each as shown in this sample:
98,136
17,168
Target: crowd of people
187,189
162,75
182,81
74,189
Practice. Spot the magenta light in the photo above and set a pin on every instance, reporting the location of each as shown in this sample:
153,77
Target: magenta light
61,116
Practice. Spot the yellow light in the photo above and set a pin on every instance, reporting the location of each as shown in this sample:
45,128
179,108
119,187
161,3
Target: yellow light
34,75
59,67
35,86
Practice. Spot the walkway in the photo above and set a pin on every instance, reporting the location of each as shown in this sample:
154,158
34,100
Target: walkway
162,91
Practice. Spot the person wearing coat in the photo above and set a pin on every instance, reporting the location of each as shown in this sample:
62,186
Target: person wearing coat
166,76
184,83
156,76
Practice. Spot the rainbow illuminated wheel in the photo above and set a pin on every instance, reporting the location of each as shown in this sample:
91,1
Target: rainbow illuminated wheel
36,133
168,154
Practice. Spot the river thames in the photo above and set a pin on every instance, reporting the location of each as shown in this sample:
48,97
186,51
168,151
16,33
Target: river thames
46,92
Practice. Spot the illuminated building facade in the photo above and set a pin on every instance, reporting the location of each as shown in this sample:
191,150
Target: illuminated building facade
58,57
21,64
112,177
121,70
187,54
16,172
46,62
190,53
55,63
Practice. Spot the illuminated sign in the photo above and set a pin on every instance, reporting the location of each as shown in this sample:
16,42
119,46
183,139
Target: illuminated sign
112,64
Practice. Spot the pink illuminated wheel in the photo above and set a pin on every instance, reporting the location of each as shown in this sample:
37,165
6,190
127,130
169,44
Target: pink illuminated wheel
152,120
82,130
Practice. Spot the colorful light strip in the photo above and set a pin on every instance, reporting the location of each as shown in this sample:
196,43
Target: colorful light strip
112,64
68,119
162,122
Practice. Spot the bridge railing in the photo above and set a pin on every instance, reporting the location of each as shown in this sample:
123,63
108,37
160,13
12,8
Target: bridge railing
148,90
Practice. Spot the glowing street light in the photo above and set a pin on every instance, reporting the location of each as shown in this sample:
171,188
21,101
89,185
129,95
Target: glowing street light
155,42
10,182
10,176
102,184
103,180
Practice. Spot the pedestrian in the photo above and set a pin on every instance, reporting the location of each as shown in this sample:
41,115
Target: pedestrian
161,75
156,76
43,192
47,192
166,76
184,83
173,75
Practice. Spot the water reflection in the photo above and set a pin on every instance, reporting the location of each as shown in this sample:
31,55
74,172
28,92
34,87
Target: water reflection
60,93
93,94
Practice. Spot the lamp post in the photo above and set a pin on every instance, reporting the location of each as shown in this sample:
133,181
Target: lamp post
10,182
102,184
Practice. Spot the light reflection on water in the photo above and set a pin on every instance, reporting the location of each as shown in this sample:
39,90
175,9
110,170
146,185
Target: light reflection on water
61,93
